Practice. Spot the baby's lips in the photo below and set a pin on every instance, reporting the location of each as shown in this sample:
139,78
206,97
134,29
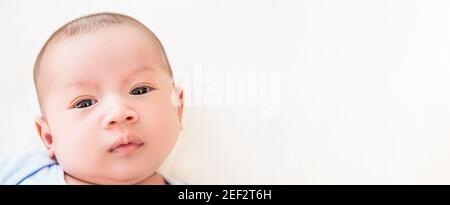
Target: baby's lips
127,142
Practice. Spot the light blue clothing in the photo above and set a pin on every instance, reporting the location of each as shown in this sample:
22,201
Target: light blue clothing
35,167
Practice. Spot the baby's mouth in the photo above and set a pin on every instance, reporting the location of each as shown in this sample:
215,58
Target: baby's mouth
126,144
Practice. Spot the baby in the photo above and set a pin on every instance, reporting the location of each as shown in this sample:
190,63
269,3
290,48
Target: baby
110,111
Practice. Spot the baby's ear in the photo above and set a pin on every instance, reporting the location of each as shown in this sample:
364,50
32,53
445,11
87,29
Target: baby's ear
45,135
180,104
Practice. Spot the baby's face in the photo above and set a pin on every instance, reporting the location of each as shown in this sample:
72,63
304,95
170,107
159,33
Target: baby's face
111,108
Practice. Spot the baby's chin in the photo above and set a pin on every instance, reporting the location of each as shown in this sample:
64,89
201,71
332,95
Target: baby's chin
118,174
113,180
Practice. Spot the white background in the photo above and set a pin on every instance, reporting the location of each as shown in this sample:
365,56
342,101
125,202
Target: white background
363,86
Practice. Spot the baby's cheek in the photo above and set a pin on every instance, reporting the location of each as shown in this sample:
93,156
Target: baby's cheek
76,150
162,126
79,161
164,117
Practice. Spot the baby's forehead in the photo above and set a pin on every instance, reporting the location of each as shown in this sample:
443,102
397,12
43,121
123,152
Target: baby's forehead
74,30
110,34
118,46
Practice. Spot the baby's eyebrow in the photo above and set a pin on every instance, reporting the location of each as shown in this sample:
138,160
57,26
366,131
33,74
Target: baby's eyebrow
81,84
137,72
91,84
140,70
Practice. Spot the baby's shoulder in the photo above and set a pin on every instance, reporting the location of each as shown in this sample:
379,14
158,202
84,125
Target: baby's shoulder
16,168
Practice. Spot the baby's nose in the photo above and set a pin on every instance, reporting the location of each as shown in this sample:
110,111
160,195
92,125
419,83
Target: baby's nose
120,115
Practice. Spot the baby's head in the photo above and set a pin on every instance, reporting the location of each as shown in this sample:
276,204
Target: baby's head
110,111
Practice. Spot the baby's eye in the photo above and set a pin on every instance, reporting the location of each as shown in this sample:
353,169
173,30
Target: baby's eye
84,103
141,90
